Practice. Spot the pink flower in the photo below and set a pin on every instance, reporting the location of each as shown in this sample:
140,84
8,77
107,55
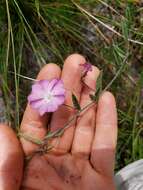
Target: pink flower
47,95
86,67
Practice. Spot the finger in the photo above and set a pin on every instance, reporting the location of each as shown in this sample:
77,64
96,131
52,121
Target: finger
71,76
104,144
11,159
33,124
86,123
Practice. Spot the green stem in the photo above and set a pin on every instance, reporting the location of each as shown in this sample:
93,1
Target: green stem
67,125
31,139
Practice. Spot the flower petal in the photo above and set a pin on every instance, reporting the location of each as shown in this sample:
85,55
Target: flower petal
38,103
44,84
36,87
40,87
42,110
58,89
59,100
52,84
52,107
34,97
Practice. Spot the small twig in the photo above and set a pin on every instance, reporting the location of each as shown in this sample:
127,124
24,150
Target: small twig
68,106
110,7
25,77
67,125
103,24
29,138
117,74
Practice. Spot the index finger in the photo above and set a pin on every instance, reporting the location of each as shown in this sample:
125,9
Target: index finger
32,123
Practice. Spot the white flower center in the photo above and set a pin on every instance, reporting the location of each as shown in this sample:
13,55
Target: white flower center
48,97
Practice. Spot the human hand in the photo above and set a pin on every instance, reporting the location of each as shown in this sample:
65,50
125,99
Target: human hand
83,158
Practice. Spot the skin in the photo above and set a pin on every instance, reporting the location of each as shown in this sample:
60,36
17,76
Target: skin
83,158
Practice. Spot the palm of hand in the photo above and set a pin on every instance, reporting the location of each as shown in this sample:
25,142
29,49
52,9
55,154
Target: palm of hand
64,172
83,158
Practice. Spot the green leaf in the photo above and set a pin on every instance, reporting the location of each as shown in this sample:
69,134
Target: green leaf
92,97
141,80
37,5
98,88
125,28
75,102
99,82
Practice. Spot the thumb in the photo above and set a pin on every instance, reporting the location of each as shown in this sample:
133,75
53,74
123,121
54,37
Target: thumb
11,159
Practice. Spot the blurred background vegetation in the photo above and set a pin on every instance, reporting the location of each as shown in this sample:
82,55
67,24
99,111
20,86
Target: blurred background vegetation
108,33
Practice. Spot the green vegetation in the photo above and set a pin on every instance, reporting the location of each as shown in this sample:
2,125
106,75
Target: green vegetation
108,33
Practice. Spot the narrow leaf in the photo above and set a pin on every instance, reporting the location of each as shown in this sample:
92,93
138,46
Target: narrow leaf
98,88
75,102
99,82
141,80
92,97
37,5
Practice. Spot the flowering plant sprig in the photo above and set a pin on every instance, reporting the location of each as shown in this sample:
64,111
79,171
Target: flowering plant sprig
46,96
44,144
